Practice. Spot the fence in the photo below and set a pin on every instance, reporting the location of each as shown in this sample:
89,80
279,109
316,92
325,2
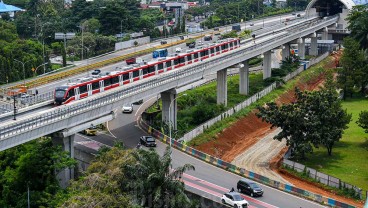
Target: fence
201,128
321,177
130,43
241,171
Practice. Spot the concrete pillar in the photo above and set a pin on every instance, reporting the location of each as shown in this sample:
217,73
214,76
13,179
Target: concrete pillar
67,144
267,65
222,87
285,51
301,48
314,47
244,79
325,34
169,98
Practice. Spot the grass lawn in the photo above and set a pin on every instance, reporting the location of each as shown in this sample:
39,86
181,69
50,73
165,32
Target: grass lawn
210,133
349,160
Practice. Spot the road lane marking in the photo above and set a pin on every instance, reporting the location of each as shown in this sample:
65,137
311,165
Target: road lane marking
209,184
208,191
142,105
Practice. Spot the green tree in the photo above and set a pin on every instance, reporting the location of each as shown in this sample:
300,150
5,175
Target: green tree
358,21
33,164
353,67
315,118
103,180
152,178
363,120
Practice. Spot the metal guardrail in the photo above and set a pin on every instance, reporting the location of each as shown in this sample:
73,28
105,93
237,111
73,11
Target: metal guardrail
8,129
263,32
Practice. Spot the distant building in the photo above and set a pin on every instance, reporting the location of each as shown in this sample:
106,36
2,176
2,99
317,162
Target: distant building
11,10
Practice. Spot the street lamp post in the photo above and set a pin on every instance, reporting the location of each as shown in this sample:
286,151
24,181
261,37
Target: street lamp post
87,49
40,66
170,115
43,53
24,73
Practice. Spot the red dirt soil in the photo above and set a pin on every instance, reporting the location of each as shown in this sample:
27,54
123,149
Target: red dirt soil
247,131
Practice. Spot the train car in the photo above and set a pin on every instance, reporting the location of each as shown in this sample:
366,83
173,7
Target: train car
85,87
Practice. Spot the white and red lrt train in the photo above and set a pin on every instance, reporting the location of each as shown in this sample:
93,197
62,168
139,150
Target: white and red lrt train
86,87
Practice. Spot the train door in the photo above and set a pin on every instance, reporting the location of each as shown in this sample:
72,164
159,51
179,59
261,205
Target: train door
131,77
156,69
172,64
102,88
89,89
141,74
121,82
76,93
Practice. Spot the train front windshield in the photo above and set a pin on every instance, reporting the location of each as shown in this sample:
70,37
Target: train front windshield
59,93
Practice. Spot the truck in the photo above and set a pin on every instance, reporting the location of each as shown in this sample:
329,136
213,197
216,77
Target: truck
133,60
190,41
236,27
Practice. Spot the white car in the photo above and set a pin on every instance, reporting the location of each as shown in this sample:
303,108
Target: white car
127,108
235,200
178,50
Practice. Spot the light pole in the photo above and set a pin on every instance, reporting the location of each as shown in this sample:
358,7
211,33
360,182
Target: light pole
24,72
43,53
170,115
40,66
87,49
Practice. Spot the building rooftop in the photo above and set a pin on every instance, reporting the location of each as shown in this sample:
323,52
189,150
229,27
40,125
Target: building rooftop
8,8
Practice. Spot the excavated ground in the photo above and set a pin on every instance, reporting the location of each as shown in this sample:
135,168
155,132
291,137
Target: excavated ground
249,143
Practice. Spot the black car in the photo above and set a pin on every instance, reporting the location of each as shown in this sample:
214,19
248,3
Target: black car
96,73
148,141
163,42
249,187
192,45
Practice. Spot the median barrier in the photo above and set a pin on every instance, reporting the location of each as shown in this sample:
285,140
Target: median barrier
241,171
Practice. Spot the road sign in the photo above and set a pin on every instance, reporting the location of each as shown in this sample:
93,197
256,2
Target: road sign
62,36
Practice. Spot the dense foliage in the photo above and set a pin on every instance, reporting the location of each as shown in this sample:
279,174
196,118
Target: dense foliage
11,47
128,178
32,165
358,21
316,119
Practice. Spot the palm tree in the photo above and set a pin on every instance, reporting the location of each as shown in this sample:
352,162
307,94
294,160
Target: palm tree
154,181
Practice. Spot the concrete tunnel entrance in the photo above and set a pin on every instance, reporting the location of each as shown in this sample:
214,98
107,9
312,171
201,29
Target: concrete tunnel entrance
328,7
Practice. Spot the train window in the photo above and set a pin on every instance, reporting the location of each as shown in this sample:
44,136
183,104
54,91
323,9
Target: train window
95,85
168,63
181,60
202,53
82,89
160,66
236,43
136,73
176,61
107,82
212,50
115,80
231,44
145,71
151,69
189,57
217,48
222,47
125,76
206,52
71,92
196,55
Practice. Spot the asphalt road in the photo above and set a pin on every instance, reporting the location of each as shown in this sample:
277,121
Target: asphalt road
207,180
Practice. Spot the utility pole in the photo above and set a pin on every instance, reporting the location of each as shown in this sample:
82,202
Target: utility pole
15,108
